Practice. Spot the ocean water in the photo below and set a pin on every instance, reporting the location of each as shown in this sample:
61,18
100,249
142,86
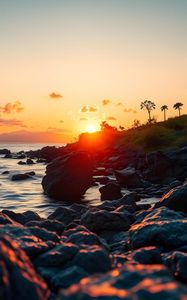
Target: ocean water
20,196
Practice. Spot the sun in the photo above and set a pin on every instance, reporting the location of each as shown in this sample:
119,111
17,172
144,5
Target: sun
91,128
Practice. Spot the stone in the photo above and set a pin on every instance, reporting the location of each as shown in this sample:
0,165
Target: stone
50,225
68,178
175,199
29,161
18,177
101,220
19,279
129,178
63,214
147,255
110,191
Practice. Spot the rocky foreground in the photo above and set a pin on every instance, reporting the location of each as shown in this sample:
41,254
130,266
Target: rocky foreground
120,249
112,251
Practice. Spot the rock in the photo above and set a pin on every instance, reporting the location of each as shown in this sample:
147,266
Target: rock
68,178
93,260
147,255
4,151
4,219
8,155
18,277
63,214
5,172
101,179
18,177
98,221
21,162
177,262
168,233
84,237
67,277
131,281
129,178
58,256
29,161
50,225
110,191
175,199
22,218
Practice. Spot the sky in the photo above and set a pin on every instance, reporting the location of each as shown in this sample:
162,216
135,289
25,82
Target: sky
68,65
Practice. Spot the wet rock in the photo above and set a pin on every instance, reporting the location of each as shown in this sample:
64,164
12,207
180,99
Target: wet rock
84,237
175,199
29,161
101,179
94,259
50,225
18,177
21,162
177,262
147,255
67,277
63,214
8,155
57,256
22,218
110,191
4,151
68,178
168,234
129,178
4,219
18,277
5,172
106,220
128,282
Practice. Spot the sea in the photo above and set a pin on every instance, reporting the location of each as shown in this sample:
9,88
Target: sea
21,196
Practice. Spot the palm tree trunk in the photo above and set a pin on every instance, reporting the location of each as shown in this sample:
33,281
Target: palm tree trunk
179,111
164,115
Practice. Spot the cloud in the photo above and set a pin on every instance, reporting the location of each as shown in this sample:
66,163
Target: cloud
130,110
58,130
85,109
111,118
55,96
92,109
119,104
83,119
11,122
106,102
12,107
61,121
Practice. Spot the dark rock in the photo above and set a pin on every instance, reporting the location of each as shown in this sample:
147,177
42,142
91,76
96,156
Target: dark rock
101,179
21,162
131,281
50,225
147,255
29,161
84,237
98,221
68,178
175,199
4,151
110,191
22,218
129,178
17,177
18,277
63,214
177,262
67,277
93,260
4,219
5,172
57,256
8,155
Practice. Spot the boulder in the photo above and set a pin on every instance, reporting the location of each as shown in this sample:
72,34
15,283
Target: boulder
29,161
110,191
68,178
18,177
175,199
98,221
129,178
19,279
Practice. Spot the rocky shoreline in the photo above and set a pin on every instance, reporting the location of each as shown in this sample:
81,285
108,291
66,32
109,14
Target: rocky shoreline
119,249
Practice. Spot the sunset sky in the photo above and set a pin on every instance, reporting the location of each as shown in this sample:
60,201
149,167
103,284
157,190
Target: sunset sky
66,65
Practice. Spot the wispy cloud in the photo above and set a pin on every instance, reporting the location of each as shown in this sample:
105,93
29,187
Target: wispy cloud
85,109
12,122
110,118
106,102
130,110
55,96
83,119
119,104
12,107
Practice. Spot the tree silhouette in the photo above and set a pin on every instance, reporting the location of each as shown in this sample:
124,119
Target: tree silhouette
178,105
149,106
164,108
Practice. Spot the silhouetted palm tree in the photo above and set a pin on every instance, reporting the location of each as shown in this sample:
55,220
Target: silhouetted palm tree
178,105
149,106
164,108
